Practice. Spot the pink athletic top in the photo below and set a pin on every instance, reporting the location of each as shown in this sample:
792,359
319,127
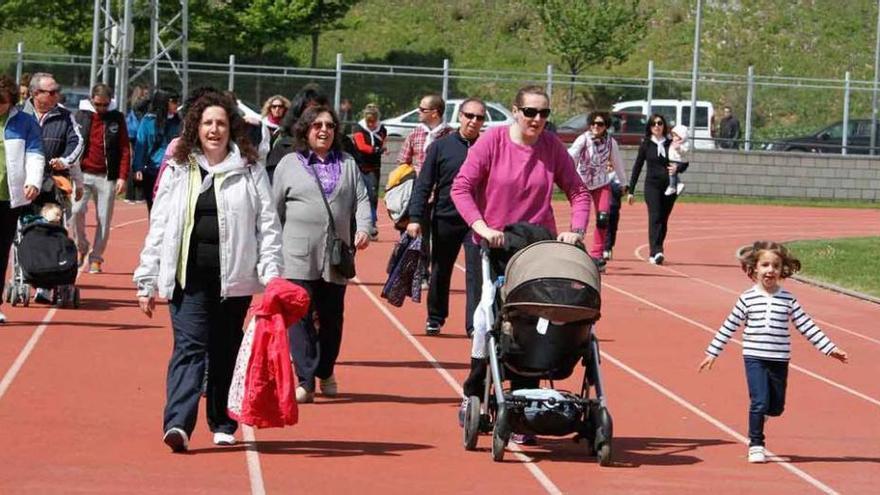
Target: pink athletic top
502,182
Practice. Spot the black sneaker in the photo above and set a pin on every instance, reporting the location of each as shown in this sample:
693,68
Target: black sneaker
177,439
432,329
601,264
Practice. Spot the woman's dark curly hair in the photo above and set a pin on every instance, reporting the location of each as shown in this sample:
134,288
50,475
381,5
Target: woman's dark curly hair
189,138
302,126
748,258
8,90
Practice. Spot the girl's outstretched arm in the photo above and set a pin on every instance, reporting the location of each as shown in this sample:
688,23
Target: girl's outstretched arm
839,354
707,363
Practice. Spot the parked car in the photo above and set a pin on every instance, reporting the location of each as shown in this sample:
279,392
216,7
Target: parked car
627,128
678,112
71,97
830,139
402,125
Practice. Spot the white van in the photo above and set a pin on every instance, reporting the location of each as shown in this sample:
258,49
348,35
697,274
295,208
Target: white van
678,112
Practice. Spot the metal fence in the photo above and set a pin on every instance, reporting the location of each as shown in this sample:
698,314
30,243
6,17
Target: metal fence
768,107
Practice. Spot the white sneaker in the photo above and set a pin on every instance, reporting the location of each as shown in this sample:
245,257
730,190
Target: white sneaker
679,188
756,454
303,396
657,259
2,317
606,255
669,191
329,387
221,438
177,439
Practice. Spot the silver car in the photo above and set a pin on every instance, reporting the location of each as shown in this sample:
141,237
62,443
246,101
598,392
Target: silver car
402,125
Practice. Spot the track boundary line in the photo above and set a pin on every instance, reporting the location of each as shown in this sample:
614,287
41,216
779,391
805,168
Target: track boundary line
29,346
252,454
527,461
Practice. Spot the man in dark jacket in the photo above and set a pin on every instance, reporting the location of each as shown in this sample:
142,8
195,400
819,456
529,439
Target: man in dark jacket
728,130
62,144
369,143
105,164
448,230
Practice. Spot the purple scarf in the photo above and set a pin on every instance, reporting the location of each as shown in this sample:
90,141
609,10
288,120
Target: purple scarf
328,171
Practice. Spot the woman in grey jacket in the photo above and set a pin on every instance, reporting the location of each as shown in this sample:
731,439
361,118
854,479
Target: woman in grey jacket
318,169
214,241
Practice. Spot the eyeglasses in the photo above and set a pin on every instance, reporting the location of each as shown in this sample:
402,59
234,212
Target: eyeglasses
319,124
50,92
657,123
598,123
276,106
474,116
531,113
426,110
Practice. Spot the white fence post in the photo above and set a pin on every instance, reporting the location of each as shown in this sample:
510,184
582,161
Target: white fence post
231,85
550,82
19,61
650,95
445,92
337,97
750,90
845,113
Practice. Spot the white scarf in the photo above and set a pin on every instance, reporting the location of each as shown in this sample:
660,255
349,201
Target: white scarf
433,133
233,161
374,134
661,150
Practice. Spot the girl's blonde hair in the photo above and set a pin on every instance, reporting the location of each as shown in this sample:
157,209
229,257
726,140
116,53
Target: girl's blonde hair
268,103
748,258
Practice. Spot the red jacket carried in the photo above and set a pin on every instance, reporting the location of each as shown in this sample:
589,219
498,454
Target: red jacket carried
262,391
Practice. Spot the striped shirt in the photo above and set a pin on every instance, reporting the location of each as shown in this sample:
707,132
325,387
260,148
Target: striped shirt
766,318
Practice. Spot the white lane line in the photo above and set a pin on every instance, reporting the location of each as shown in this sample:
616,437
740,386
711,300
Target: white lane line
13,370
640,249
255,471
539,475
716,423
737,341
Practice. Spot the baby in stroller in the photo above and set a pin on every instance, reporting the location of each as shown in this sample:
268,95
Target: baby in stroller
536,322
44,257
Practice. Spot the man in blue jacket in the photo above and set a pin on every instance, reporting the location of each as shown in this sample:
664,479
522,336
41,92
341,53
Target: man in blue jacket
21,168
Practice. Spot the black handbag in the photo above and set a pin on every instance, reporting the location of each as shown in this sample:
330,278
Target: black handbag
341,254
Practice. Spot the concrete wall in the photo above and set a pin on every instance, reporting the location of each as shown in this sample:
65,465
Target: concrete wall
760,174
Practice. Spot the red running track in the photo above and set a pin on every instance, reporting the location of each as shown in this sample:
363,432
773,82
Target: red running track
81,391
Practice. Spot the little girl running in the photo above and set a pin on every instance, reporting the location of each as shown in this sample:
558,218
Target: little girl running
766,309
679,152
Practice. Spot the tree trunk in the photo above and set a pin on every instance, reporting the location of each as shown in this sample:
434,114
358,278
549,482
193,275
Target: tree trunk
315,35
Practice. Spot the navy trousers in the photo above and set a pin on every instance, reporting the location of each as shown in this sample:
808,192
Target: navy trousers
767,381
206,328
315,340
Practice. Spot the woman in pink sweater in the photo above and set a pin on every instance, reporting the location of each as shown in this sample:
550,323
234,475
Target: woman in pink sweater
508,177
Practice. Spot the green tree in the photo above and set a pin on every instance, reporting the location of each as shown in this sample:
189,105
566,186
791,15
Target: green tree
590,32
66,23
327,15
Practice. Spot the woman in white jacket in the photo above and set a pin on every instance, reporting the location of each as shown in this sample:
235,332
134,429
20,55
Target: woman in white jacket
214,241
591,152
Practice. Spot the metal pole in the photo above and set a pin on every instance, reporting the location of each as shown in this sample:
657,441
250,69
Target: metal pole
19,61
550,82
650,86
445,79
695,71
750,89
124,48
231,85
184,44
105,62
337,96
154,39
96,34
845,113
876,76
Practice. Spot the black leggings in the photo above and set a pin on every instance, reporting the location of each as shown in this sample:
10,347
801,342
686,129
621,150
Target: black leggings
659,209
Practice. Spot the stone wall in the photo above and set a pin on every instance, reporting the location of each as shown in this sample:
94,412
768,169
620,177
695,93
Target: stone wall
761,174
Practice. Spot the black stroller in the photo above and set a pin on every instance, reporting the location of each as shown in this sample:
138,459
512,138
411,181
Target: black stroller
543,326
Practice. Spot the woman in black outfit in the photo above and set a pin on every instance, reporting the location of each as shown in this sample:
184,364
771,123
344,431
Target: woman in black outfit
655,151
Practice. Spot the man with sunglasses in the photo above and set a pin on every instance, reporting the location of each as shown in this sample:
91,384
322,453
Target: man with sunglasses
105,164
448,230
62,144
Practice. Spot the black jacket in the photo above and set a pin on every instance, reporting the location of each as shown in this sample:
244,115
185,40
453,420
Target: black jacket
114,127
442,161
657,174
369,147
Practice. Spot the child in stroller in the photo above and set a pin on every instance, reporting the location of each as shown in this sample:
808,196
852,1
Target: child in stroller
44,257
539,327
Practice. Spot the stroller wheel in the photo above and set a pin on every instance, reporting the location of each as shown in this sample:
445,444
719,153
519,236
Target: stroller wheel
604,455
500,435
604,433
472,423
24,295
76,299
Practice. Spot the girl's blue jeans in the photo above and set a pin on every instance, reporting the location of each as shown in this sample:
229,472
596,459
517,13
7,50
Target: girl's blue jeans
767,381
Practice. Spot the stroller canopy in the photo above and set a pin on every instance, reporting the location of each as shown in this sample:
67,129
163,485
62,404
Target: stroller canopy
553,280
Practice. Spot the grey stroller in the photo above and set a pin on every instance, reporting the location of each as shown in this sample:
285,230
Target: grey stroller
544,313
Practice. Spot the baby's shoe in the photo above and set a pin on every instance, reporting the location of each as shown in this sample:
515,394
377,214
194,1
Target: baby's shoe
679,188
669,191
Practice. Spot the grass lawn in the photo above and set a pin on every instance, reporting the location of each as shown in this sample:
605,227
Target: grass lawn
852,263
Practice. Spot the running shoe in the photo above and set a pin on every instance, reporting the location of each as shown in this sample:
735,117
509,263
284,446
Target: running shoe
432,329
757,455
329,387
177,439
524,439
221,438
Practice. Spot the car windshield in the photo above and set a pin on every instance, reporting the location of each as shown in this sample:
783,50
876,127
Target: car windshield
575,123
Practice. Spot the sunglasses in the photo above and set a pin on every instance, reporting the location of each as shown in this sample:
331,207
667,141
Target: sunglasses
531,113
318,125
598,123
276,106
657,123
474,116
426,110
50,92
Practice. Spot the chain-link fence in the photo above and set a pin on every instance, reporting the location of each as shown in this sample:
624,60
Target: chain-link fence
771,109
